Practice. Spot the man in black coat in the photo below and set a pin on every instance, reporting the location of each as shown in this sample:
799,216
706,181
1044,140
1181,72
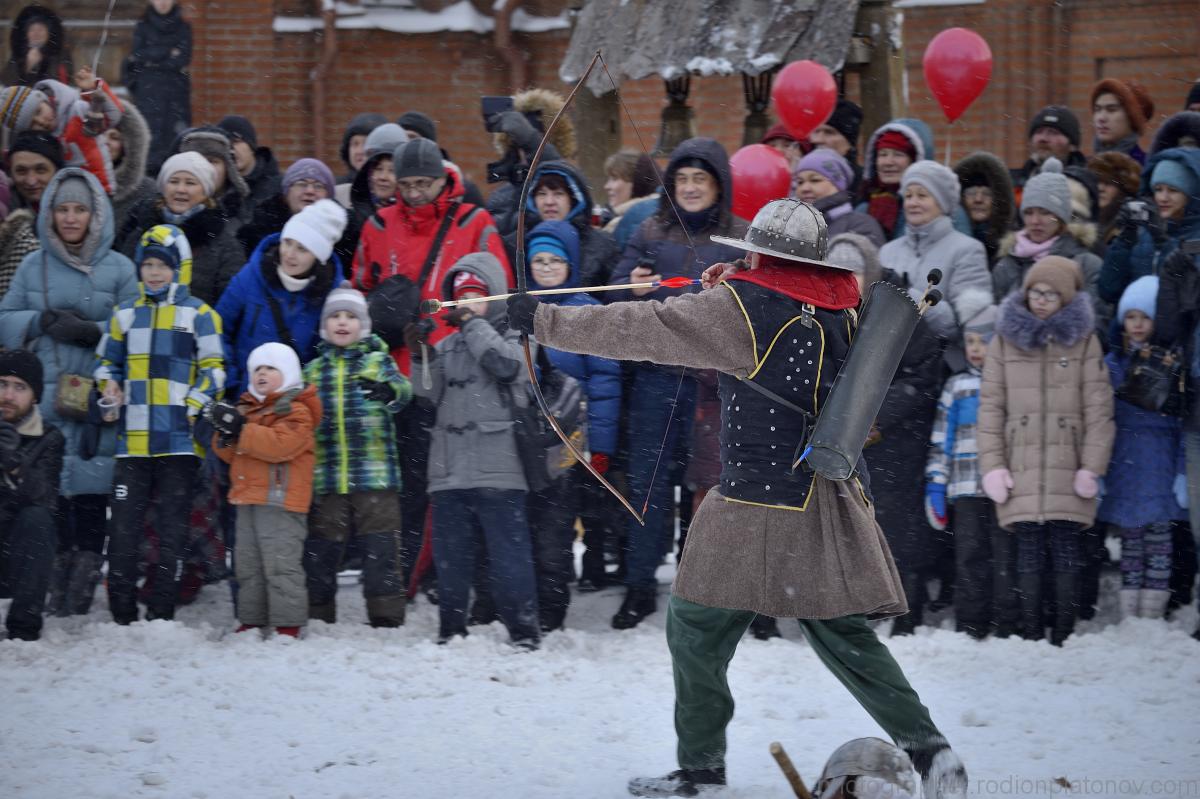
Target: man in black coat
255,163
156,73
31,455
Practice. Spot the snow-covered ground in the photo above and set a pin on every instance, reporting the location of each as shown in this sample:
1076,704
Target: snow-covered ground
185,709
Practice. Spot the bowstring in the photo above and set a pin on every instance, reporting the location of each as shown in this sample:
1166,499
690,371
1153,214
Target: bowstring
666,195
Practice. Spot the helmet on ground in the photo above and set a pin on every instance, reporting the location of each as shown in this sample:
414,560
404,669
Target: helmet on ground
867,768
789,229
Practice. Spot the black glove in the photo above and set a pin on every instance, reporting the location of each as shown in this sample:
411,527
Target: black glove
521,308
517,127
67,326
416,334
457,317
226,419
10,444
377,390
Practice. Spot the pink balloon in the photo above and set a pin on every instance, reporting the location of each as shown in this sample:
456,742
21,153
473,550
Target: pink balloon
760,174
805,95
958,66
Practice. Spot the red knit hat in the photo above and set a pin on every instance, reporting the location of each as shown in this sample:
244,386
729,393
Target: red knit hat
1134,99
895,140
468,281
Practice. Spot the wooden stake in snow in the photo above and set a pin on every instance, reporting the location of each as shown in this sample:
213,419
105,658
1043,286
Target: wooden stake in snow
789,771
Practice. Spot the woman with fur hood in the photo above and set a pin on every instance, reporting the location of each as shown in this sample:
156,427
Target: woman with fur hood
129,148
987,196
1049,228
516,139
1045,432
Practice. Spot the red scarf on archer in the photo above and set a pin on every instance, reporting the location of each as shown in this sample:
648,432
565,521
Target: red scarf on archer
822,286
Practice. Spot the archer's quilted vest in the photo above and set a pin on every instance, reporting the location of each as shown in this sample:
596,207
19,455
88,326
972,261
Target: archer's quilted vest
798,349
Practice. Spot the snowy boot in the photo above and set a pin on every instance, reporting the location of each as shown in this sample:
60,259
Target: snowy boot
56,602
1128,601
82,581
684,782
1152,604
943,775
764,628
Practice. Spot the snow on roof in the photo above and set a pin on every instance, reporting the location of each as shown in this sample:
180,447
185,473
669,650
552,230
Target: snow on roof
668,38
459,17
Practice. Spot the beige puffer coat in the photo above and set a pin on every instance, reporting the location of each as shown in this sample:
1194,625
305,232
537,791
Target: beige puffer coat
1045,411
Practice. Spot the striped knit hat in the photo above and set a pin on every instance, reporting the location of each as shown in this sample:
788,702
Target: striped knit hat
18,104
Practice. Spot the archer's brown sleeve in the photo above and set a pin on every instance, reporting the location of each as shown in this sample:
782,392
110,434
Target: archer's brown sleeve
699,331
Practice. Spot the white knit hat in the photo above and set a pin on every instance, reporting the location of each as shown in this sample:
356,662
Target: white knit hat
279,356
192,163
318,227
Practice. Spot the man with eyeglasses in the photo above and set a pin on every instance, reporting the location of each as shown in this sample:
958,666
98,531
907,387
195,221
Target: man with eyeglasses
31,453
406,250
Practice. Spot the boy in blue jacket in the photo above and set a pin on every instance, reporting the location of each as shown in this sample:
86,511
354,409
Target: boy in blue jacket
984,575
552,257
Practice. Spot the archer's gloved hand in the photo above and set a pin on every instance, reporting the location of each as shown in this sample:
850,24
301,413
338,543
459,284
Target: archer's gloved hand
377,391
521,308
517,127
226,419
67,326
935,505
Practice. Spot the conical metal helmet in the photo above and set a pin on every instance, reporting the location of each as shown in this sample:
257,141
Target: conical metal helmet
788,228
872,758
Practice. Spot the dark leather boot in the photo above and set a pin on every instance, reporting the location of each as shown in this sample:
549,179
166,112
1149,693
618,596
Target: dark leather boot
639,603
1029,591
1065,608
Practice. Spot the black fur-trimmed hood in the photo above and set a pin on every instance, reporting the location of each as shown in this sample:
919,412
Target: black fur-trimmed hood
1179,126
985,167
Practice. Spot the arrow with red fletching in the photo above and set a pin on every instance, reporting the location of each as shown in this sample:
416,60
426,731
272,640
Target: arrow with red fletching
433,306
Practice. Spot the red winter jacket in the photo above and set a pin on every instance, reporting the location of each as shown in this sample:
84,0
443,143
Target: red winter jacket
396,241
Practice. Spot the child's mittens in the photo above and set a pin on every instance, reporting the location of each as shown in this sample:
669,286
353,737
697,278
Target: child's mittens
227,420
935,505
1087,484
996,484
376,390
1181,492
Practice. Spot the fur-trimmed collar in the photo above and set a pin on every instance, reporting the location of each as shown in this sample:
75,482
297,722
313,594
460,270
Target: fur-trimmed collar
129,173
1067,326
1076,238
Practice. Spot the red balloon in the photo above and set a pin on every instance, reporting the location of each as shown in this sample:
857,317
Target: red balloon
760,174
804,95
958,66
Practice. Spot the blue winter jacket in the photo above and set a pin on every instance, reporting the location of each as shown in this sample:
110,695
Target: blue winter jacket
600,377
1147,454
1125,262
247,320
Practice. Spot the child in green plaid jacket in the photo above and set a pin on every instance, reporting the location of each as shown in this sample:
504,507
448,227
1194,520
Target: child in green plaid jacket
357,480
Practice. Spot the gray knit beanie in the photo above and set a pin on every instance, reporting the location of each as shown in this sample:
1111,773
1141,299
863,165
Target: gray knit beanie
384,140
1049,189
74,189
938,180
419,158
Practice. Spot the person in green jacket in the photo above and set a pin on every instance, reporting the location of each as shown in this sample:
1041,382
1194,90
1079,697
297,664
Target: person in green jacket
357,480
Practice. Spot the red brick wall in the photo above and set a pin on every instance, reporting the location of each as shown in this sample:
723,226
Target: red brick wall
1046,53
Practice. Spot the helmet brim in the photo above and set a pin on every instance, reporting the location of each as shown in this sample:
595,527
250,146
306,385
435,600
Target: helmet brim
742,244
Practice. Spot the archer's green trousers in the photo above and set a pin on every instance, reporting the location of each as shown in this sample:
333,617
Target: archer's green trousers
702,641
